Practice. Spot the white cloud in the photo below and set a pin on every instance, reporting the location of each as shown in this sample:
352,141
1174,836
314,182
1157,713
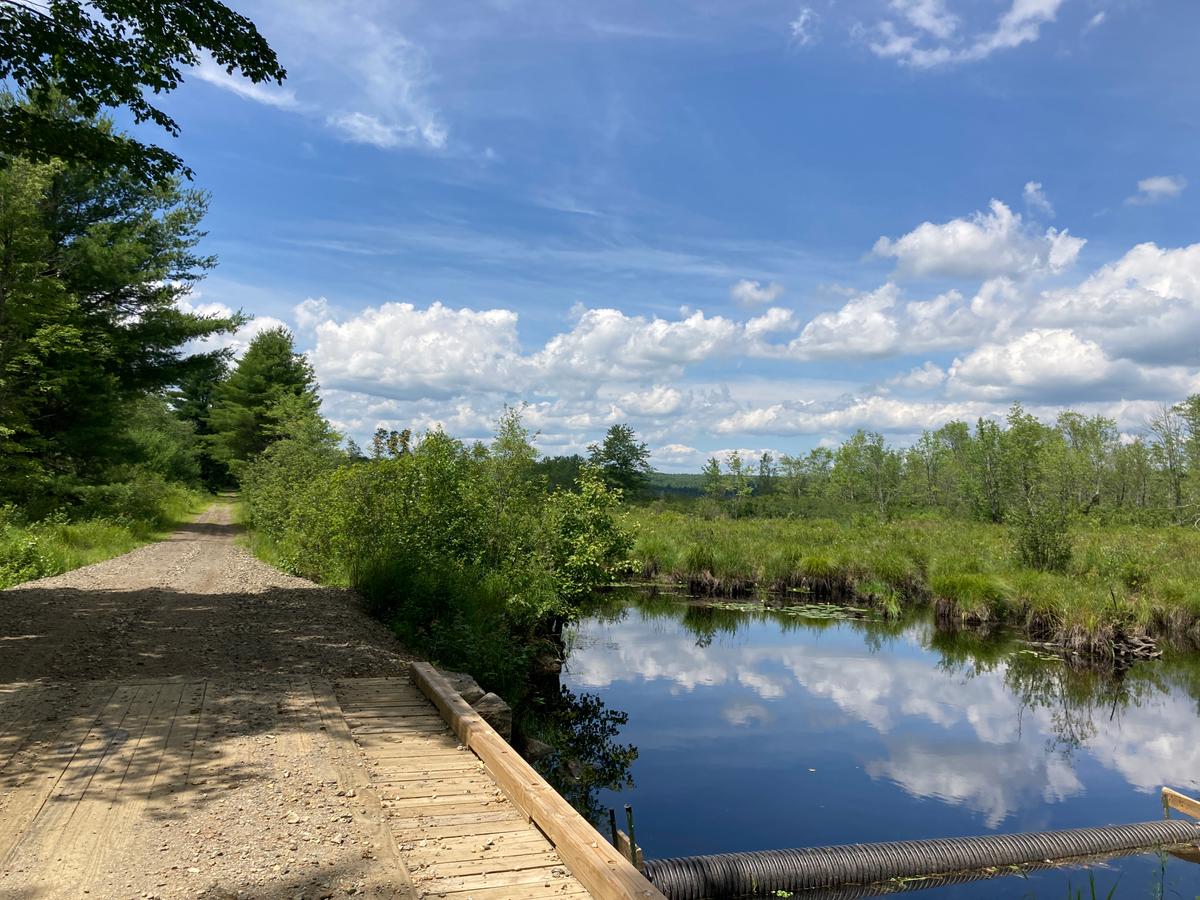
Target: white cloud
1020,24
930,16
311,312
660,400
772,321
398,350
877,412
752,293
862,327
349,67
1035,199
607,343
1052,361
985,245
266,93
238,341
1144,306
1095,21
804,27
926,376
1157,188
671,455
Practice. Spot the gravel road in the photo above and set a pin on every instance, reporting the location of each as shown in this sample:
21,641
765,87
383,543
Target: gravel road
264,799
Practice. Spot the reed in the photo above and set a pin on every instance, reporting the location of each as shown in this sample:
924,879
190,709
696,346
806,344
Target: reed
1125,585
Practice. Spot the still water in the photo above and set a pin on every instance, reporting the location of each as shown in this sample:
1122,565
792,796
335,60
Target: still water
759,730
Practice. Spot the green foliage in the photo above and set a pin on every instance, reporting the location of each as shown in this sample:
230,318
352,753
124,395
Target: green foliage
89,318
109,54
457,546
586,536
623,460
1119,579
113,520
714,481
269,372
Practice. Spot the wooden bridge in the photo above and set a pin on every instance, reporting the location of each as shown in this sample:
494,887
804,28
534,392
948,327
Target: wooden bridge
454,804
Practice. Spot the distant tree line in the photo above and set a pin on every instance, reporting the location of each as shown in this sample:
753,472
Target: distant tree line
1022,471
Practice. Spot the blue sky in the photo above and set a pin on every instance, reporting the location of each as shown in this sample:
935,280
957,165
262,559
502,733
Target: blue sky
753,225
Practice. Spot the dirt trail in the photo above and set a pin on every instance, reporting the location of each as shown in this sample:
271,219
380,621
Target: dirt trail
166,730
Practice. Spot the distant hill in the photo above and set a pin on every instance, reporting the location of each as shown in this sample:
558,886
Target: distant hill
689,484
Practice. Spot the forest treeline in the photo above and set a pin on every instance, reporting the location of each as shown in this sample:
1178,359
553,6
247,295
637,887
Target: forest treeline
991,471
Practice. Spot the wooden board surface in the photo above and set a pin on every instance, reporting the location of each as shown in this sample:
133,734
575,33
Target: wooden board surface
460,836
105,787
593,860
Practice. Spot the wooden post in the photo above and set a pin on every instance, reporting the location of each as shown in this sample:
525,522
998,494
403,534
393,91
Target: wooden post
1180,803
600,867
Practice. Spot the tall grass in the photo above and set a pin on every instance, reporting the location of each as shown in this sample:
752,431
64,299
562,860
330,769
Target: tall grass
57,543
1122,582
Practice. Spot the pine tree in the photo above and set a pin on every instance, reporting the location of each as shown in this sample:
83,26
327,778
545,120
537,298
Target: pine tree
269,371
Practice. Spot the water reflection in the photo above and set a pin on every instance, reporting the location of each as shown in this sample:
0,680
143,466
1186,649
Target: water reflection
936,733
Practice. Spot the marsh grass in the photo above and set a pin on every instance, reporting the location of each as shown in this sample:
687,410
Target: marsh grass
1123,583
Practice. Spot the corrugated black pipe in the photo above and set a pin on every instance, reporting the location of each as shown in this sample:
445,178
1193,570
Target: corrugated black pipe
730,875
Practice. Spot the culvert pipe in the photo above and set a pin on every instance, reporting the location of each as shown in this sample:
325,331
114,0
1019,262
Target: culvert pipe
726,876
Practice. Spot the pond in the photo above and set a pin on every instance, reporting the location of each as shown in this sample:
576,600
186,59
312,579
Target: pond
764,729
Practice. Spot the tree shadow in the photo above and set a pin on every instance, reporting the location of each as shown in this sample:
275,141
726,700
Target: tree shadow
72,634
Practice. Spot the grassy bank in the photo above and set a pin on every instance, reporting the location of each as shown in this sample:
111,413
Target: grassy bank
59,542
1124,583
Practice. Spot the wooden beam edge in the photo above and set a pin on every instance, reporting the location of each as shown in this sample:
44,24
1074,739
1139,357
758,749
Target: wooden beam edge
597,865
1180,803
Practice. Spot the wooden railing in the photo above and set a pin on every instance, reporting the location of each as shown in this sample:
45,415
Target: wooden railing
605,873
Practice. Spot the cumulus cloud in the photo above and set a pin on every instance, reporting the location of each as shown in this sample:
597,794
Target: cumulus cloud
238,341
1157,188
398,350
1144,306
984,245
1035,199
660,400
753,293
1056,362
928,36
926,376
877,412
864,326
607,343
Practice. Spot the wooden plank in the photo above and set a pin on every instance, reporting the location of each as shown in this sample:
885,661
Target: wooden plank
479,846
547,876
569,889
29,798
407,819
171,777
426,765
435,787
537,859
412,833
351,774
1180,803
445,806
599,867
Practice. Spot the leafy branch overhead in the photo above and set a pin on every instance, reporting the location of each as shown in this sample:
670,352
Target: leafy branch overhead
114,54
